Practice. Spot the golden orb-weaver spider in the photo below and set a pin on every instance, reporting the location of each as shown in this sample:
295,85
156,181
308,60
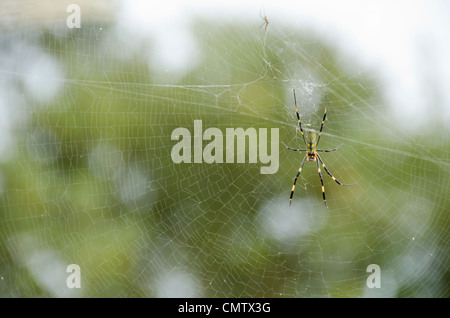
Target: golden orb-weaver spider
311,143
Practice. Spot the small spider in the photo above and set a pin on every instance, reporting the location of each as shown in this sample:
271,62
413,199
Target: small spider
311,142
265,23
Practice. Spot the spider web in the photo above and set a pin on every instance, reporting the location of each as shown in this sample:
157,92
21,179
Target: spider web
87,176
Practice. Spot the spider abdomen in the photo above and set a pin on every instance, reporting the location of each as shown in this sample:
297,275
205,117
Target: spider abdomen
311,145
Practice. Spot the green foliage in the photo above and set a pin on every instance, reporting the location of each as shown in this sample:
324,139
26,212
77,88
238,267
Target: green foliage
76,187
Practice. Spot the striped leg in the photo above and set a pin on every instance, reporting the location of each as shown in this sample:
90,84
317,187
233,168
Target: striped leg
293,149
323,121
329,173
298,118
295,180
321,181
329,150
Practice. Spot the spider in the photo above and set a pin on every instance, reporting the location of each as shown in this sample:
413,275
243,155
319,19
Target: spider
265,23
311,143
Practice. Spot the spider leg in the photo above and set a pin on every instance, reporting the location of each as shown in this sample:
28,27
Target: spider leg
293,149
329,173
295,180
321,181
329,150
298,118
323,121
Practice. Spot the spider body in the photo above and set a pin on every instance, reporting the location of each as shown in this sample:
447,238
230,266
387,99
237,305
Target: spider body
311,146
312,153
265,21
